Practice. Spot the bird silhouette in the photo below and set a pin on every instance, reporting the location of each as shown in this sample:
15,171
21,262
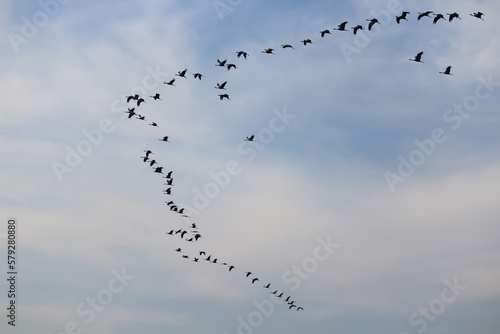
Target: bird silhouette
452,16
169,175
447,71
148,152
324,32
427,13
130,112
159,170
402,17
268,51
170,83
248,273
478,15
168,191
182,73
144,159
372,22
437,17
156,96
197,75
178,250
250,138
356,28
221,86
306,41
230,66
418,57
139,101
255,280
164,139
140,117
154,124
222,96
153,162
267,286
221,63
284,46
231,268
132,97
242,53
341,27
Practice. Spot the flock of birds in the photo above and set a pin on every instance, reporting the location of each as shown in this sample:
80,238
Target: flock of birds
191,232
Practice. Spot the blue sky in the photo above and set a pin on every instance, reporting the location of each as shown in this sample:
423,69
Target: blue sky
394,163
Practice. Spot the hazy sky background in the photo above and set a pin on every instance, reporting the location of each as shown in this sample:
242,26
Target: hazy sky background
357,109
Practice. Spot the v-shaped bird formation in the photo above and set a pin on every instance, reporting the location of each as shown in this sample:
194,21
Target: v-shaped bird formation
191,232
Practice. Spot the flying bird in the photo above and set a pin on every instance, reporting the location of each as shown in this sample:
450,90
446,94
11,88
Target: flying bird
154,124
452,16
372,22
230,66
438,17
159,170
248,273
148,152
132,97
447,71
231,268
478,15
418,57
170,83
324,32
268,51
402,17
153,162
222,96
250,138
139,101
306,41
156,96
197,75
427,13
284,46
356,28
142,118
164,139
221,86
130,112
255,280
182,73
221,63
341,26
242,53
